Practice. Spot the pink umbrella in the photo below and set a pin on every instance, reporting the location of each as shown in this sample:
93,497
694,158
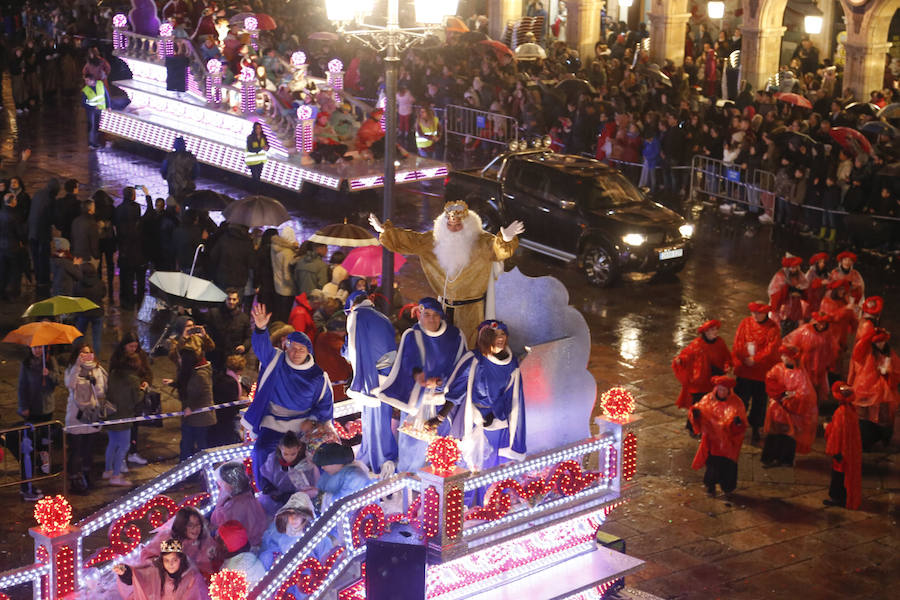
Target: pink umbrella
366,261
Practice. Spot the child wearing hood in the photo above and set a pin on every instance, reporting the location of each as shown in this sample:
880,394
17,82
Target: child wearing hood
286,471
290,523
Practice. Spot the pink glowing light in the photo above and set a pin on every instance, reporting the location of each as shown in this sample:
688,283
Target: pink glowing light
305,112
335,65
165,30
248,74
298,59
214,66
251,24
120,20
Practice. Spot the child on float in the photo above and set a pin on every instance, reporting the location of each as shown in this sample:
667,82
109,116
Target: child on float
341,475
233,550
286,471
290,524
169,576
237,503
189,527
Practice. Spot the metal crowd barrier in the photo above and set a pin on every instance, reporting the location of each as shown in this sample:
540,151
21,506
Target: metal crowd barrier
25,443
467,129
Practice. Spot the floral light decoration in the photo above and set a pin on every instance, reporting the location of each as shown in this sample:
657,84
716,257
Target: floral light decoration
165,30
229,585
53,514
251,24
443,454
120,20
335,65
298,59
214,66
617,404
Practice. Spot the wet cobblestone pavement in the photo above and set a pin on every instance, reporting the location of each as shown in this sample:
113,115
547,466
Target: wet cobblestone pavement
772,539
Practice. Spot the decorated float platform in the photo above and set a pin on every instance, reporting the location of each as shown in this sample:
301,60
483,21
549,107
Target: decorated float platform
215,119
537,534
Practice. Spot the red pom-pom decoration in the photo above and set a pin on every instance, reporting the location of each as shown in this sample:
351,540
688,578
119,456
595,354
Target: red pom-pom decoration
443,454
53,514
617,404
228,585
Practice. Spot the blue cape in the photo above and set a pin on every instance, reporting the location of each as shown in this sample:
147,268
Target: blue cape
370,336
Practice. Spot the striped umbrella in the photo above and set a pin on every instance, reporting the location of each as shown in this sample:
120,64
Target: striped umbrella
344,234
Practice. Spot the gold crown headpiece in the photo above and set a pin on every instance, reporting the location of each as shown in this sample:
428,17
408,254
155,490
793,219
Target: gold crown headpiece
170,545
456,209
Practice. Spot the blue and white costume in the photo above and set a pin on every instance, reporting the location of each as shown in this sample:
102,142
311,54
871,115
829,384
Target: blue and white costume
480,387
433,353
370,336
286,395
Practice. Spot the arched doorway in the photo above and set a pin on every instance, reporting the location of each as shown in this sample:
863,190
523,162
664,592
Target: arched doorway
867,47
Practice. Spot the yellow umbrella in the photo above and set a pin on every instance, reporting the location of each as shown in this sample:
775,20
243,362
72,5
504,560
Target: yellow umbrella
42,333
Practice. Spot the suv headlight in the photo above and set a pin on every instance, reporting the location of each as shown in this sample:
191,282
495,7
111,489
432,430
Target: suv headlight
634,239
686,230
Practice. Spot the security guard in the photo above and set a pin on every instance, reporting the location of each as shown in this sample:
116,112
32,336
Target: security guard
257,144
95,99
428,132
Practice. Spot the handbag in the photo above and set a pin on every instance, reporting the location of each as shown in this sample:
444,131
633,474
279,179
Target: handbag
151,405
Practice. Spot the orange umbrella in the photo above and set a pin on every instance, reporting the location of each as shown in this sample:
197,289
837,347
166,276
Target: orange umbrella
455,25
42,333
795,99
499,48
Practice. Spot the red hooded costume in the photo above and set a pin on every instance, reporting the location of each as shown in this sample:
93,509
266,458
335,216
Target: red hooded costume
759,341
301,318
876,380
818,349
793,409
844,318
694,364
816,283
857,286
786,291
842,439
721,436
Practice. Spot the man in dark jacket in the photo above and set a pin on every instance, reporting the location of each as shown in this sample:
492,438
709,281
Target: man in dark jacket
311,272
229,328
132,264
86,234
672,146
67,209
12,239
168,222
179,169
40,235
185,239
150,241
231,257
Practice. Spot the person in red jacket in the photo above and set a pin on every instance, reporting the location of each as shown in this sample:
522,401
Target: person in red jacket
370,137
817,278
793,415
871,317
754,352
706,356
786,291
845,270
301,318
720,419
818,351
844,445
327,350
844,319
875,387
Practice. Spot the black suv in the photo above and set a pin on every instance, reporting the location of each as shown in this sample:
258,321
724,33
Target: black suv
576,209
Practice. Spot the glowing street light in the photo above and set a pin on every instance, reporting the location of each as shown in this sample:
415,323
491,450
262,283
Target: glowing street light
716,9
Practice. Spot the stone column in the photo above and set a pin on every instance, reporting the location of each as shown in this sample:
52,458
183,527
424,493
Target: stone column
501,11
864,69
760,53
584,28
667,34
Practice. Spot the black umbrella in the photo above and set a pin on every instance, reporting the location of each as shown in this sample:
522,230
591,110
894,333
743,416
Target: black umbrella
890,113
876,128
256,211
206,200
572,88
862,108
657,75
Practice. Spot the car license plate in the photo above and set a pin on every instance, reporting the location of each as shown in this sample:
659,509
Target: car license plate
674,253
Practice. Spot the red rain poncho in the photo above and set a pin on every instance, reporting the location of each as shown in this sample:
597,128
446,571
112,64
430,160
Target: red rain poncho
857,287
842,437
865,329
765,338
845,321
875,383
693,367
818,351
787,305
793,409
815,291
720,435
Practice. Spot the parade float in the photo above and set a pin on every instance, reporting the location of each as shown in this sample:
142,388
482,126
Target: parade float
537,534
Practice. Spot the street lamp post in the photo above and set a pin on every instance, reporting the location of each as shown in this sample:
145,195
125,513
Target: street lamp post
392,40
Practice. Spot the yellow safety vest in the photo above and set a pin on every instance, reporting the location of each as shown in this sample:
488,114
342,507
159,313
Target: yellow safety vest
95,98
254,157
426,129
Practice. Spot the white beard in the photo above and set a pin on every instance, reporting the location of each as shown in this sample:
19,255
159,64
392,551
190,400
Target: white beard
453,249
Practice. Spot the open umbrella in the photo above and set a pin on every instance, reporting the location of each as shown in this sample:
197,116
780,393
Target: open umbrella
181,288
238,19
850,140
455,25
327,36
206,200
42,333
876,128
657,75
366,261
59,305
795,99
265,22
344,234
890,113
529,51
499,48
256,211
572,88
862,108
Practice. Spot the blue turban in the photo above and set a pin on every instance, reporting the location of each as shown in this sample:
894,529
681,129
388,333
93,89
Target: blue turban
432,304
494,324
178,145
302,338
349,303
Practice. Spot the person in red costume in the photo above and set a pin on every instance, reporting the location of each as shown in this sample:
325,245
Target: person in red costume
720,419
817,277
844,446
845,270
793,415
754,352
786,291
706,356
875,387
370,137
845,322
871,317
818,351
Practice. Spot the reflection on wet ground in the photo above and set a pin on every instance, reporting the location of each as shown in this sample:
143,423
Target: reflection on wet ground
772,539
